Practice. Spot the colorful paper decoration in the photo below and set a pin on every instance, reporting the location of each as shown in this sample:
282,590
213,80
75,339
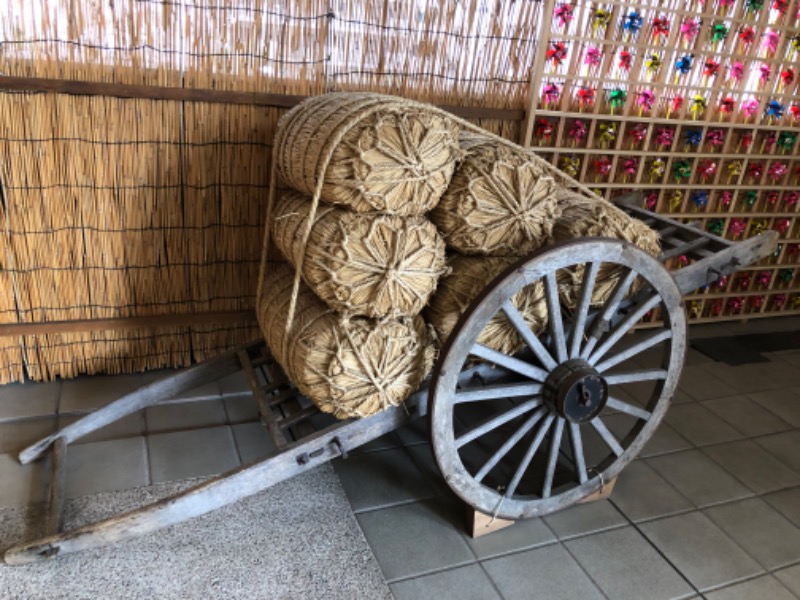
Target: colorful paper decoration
657,170
750,107
571,165
600,19
602,167
593,57
782,6
715,138
693,137
543,129
684,64
777,170
790,199
734,170
608,133
557,53
750,198
715,226
689,29
710,68
782,226
577,132
765,72
755,302
616,98
675,105
675,200
735,305
719,33
743,280
754,5
747,35
746,139
630,167
757,227
660,27
764,278
699,198
663,137
695,309
651,200
778,301
585,97
726,198
645,100
625,59
637,133
682,169
653,63
564,15
550,93
707,169
786,141
794,110
737,72
755,170
736,227
787,77
785,276
632,23
774,109
716,307
771,39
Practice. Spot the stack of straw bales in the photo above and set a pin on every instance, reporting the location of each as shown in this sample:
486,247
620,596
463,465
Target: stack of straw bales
363,171
367,190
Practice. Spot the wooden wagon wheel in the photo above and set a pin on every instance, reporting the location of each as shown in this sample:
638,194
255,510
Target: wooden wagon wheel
525,435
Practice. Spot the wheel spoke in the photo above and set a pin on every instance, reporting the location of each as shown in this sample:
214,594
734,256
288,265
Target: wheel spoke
510,363
634,376
630,409
583,309
494,392
607,436
577,452
645,344
527,334
623,328
555,444
496,421
554,310
526,460
602,320
511,442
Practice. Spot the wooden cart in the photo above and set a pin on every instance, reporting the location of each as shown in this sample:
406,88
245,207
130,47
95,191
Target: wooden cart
514,436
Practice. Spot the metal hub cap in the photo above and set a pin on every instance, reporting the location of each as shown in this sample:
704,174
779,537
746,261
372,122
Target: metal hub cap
576,391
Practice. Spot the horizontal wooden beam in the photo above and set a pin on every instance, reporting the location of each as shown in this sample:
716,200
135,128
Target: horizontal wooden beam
152,92
146,322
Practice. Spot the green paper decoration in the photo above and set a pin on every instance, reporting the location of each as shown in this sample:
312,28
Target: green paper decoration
717,226
786,140
750,198
682,169
618,97
786,275
719,33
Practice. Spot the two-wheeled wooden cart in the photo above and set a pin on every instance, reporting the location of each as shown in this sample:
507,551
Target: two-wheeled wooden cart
514,436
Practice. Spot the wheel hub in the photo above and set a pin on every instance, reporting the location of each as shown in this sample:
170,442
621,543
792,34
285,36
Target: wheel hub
576,391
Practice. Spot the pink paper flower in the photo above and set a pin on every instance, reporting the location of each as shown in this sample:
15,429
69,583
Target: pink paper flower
689,29
771,39
737,71
777,170
750,107
593,57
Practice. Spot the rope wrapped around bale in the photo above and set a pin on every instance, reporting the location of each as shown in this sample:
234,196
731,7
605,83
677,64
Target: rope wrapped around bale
364,264
589,217
370,152
500,202
351,367
469,276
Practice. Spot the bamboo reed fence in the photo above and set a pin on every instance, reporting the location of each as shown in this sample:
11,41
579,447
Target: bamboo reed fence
135,138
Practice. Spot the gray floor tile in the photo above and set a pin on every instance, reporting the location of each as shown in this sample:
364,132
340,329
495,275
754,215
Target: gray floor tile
186,454
22,484
522,535
758,528
700,550
664,440
783,446
544,573
21,400
462,583
185,415
379,479
753,466
746,415
130,426
385,442
695,357
764,587
581,519
701,385
612,556
787,502
252,441
106,466
415,432
423,457
641,493
699,425
19,434
784,402
415,539
790,578
235,384
755,377
698,477
241,409
87,393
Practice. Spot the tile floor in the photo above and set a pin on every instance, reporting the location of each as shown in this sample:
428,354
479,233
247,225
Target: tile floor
710,509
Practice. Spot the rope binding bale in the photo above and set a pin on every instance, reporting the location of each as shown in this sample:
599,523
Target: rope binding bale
468,277
366,264
500,202
348,366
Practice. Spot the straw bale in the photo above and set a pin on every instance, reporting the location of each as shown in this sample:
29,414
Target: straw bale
500,202
370,152
469,276
351,367
588,217
365,264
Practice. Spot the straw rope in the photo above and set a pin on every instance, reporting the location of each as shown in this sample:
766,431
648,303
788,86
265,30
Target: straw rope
351,367
364,264
470,275
585,217
499,202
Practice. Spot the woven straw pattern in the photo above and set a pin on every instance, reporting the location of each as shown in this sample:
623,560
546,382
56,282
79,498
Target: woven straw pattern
351,367
469,276
370,152
361,263
500,201
588,217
